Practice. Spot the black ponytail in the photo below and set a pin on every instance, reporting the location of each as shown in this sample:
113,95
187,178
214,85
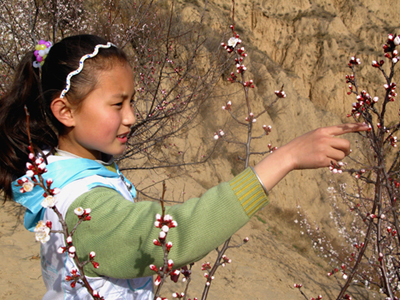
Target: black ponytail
25,91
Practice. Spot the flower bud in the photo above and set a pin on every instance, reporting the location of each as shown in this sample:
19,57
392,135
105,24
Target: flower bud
96,294
56,191
153,268
162,235
157,281
48,224
169,246
167,218
173,224
170,263
29,173
165,228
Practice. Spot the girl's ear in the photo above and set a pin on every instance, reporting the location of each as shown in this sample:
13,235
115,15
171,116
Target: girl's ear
61,109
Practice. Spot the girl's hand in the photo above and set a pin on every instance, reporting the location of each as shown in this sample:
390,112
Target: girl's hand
315,149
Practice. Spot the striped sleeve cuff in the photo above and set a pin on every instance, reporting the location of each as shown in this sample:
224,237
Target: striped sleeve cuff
249,191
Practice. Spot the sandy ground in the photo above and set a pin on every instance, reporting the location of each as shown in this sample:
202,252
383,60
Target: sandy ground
20,276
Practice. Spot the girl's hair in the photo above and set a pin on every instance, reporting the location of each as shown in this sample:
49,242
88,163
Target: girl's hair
37,92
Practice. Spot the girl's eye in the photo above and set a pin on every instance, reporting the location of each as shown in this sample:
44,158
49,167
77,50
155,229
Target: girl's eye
118,104
132,102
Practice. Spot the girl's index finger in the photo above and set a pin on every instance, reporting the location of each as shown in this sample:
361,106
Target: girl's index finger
347,128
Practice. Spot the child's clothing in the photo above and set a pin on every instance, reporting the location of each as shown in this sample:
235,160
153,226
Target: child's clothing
121,232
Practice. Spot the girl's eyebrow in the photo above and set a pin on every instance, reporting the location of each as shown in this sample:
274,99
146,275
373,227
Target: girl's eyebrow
122,95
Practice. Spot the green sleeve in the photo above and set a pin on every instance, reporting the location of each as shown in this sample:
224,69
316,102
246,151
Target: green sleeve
122,232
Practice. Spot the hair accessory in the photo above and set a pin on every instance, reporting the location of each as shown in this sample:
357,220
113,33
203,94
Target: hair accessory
81,61
41,51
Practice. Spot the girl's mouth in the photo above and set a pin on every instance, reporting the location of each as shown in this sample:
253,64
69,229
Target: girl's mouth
123,138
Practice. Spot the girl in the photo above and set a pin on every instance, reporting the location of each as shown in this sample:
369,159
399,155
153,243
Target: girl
81,115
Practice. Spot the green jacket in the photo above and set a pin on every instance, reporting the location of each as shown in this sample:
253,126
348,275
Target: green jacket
122,232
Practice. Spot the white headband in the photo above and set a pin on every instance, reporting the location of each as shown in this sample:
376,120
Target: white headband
81,61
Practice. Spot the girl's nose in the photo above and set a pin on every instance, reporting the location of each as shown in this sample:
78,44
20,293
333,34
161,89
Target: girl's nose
129,116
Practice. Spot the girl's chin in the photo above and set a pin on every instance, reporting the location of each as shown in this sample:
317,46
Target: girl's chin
121,151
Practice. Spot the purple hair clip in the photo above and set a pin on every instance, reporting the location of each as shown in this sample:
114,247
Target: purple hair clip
41,51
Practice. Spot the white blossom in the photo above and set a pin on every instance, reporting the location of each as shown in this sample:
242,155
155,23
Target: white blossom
42,232
79,211
232,42
396,40
49,201
28,186
29,173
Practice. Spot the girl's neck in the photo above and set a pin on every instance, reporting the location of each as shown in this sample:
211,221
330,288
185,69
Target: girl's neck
68,144
105,159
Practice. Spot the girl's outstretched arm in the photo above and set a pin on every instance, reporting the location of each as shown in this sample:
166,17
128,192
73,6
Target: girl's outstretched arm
315,149
121,232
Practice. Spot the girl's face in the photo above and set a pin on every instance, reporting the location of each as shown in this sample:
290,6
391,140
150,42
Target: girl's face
104,118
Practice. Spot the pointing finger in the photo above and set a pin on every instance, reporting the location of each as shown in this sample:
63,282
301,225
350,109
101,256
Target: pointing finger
346,128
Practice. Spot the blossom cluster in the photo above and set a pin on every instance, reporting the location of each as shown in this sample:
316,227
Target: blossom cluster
232,42
219,134
336,168
74,277
33,178
35,169
241,54
389,48
251,118
165,223
354,61
391,89
222,262
271,149
83,214
365,101
267,129
280,93
227,106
